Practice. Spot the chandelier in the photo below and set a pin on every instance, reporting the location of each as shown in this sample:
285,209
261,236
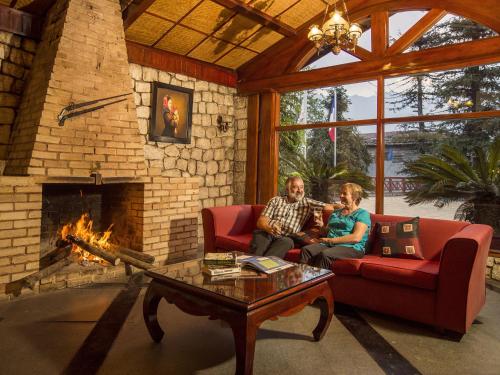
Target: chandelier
337,32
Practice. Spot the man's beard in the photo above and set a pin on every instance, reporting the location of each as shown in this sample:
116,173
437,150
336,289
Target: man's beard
296,196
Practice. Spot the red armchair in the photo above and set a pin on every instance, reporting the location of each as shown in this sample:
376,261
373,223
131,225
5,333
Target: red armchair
446,289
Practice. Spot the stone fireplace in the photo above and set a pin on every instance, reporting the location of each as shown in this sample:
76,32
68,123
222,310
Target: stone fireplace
94,162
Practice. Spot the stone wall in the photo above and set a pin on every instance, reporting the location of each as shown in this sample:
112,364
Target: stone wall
16,58
493,268
215,158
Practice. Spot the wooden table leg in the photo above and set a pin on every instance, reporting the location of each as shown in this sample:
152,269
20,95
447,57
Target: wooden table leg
245,334
149,310
326,307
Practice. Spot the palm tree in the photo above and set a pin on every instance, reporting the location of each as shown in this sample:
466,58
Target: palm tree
449,177
321,179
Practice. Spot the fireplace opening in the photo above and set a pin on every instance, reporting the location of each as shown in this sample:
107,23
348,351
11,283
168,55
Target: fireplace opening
112,206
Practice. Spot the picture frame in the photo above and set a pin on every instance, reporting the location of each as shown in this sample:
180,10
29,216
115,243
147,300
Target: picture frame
171,114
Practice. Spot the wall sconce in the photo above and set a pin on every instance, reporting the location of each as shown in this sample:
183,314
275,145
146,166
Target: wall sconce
223,126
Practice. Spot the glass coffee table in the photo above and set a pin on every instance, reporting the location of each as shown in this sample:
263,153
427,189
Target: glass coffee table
243,302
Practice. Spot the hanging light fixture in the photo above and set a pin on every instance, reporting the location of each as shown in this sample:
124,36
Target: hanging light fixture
337,32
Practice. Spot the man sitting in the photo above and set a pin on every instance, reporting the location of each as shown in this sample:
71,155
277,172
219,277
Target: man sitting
283,216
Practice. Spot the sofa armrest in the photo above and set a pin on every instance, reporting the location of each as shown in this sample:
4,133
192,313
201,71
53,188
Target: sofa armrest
461,284
226,221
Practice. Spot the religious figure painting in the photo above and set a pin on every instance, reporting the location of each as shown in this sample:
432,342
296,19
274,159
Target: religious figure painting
171,115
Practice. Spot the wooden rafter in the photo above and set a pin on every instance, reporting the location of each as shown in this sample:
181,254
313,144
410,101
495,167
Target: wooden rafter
416,31
20,22
380,32
361,53
134,10
484,51
258,16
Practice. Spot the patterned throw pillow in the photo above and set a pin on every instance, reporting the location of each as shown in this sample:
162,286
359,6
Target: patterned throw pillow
398,240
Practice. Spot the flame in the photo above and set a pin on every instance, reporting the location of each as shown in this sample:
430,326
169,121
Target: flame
83,229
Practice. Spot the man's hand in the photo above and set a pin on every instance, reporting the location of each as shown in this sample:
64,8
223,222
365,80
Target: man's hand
275,228
270,226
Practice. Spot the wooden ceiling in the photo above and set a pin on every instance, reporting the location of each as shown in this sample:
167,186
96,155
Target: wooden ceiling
227,33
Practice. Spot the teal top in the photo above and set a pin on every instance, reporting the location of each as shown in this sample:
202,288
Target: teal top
341,225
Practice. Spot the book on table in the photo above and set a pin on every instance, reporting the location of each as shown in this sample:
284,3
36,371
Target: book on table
220,259
221,270
268,265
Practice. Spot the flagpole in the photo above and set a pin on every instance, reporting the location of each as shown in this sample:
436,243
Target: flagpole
335,129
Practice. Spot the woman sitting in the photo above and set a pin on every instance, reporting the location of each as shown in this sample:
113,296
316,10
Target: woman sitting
347,234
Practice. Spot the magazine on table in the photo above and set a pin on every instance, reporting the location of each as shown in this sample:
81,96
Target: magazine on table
267,265
220,259
221,270
246,273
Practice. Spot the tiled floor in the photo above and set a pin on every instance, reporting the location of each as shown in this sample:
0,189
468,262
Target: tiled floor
79,331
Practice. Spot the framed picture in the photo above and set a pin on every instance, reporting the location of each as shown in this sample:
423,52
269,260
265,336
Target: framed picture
171,116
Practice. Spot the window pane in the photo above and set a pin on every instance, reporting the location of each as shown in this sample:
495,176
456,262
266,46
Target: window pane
442,189
452,29
330,59
348,102
401,22
326,158
471,89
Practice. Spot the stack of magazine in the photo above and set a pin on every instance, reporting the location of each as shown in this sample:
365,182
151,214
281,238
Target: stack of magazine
215,264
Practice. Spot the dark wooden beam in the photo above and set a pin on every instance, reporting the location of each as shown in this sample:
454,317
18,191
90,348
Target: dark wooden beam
20,22
134,10
361,53
252,149
258,16
269,118
171,62
380,150
484,51
415,32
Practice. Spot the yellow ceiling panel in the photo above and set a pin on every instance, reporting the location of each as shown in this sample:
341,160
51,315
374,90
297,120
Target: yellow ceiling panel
272,7
262,39
210,50
180,40
236,58
207,17
147,29
237,29
302,12
172,10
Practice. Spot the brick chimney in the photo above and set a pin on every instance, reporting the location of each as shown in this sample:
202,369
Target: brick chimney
82,56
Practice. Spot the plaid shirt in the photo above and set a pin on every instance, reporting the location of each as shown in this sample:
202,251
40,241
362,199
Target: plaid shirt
292,216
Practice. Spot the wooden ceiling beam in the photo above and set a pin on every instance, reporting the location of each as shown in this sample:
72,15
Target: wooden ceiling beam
361,53
415,32
20,22
380,32
134,10
171,62
258,16
483,51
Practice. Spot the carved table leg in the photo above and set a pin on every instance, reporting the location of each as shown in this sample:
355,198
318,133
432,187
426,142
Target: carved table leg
244,334
326,307
149,310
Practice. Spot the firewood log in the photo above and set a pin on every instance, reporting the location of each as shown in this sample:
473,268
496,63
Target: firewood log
108,257
136,254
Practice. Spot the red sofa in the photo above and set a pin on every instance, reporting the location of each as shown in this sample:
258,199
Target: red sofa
446,289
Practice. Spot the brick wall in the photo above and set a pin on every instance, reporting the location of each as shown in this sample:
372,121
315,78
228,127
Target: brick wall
82,56
16,58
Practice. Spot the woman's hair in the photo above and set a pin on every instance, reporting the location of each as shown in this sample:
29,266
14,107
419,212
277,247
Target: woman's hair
355,190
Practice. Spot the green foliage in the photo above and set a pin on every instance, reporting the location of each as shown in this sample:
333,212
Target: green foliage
322,180
449,177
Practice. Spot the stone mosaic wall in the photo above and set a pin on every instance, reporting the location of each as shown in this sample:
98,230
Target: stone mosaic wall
493,268
215,158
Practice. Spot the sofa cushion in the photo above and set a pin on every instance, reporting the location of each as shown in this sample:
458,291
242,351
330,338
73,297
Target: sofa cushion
397,239
415,273
240,242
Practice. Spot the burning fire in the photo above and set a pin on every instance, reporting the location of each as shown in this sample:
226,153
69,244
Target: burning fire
83,229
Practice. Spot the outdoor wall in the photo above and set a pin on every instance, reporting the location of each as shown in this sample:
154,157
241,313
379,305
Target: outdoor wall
216,158
16,58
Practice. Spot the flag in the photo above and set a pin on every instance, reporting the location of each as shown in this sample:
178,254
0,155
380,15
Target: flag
303,110
332,132
389,154
332,116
